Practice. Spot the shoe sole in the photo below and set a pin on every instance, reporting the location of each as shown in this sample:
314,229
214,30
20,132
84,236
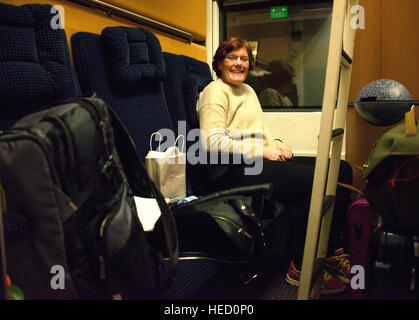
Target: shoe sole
296,283
292,282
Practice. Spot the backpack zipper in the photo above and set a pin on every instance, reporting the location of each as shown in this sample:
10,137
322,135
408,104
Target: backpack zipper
101,255
102,121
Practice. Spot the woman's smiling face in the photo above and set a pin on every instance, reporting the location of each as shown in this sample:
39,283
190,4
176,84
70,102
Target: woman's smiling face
235,67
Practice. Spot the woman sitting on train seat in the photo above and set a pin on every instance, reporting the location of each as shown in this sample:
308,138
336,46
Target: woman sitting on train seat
279,85
228,106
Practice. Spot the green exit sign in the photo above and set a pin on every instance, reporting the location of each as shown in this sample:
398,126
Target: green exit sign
279,12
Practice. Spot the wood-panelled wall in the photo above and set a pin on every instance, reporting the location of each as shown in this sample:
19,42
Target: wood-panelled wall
188,15
386,49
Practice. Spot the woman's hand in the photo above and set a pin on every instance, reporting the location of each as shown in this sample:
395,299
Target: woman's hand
273,154
285,150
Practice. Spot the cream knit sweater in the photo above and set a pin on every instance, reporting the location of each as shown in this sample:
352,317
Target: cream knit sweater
232,120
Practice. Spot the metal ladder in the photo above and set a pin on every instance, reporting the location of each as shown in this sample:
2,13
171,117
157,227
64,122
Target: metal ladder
337,82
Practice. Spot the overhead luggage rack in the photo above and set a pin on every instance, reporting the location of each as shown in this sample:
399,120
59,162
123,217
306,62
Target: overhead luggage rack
112,10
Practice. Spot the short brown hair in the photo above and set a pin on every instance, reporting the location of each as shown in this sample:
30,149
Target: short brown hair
226,47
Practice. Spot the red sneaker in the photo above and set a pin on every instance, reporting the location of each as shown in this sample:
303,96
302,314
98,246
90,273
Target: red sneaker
335,278
293,275
332,285
339,265
337,274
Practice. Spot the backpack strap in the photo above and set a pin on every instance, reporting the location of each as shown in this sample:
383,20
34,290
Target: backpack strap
140,183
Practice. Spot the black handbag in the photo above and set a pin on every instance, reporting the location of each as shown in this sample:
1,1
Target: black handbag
225,226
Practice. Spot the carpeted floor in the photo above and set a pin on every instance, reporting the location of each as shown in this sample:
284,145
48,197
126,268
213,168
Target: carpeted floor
269,286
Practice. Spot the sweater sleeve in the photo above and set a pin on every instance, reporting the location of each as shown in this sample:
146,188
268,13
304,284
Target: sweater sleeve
212,119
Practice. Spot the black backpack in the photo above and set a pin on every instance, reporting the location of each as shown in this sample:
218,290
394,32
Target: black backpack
62,173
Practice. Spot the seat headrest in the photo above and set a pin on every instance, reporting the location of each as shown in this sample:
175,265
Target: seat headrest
134,54
33,55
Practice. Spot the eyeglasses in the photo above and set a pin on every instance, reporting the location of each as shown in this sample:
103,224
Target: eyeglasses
232,57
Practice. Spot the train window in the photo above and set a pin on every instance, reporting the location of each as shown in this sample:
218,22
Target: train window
290,41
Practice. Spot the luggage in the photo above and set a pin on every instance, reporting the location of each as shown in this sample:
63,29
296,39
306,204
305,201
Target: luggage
361,219
225,226
392,190
391,173
394,263
392,176
60,169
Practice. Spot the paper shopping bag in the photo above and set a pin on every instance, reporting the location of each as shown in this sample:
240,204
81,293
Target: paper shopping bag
168,170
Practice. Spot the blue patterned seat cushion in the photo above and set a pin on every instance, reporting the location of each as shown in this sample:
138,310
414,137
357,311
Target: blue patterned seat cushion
127,79
134,55
35,67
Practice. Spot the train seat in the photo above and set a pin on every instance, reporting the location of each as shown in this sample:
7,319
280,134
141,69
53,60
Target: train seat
35,65
125,67
185,78
35,73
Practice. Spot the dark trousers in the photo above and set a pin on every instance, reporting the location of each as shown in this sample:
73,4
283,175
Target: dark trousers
292,184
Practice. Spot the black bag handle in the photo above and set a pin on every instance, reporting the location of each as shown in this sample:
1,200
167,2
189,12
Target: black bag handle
263,190
139,181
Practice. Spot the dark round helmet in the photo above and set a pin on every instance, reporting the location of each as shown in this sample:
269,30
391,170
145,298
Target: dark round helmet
383,102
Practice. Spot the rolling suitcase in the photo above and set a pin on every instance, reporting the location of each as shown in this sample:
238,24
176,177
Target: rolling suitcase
361,219
393,266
